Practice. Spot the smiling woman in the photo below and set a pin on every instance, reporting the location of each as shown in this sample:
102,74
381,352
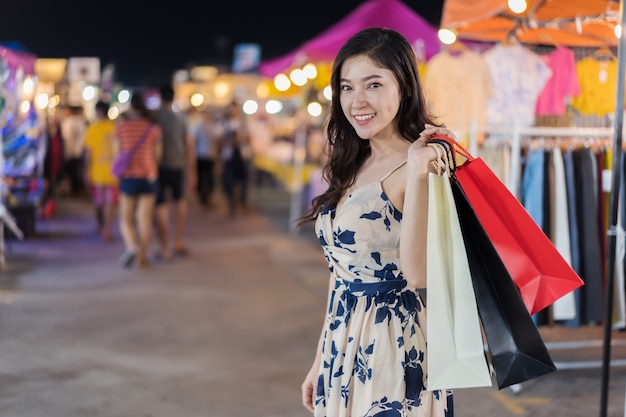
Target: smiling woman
371,223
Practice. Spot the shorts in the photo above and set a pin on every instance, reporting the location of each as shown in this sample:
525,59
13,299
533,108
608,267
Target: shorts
138,186
104,194
171,180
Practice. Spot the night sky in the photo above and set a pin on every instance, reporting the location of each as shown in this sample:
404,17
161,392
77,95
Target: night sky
147,41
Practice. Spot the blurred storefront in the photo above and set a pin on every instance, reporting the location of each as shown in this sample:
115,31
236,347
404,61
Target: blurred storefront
23,140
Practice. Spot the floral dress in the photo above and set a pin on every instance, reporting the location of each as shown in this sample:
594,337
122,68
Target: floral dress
374,347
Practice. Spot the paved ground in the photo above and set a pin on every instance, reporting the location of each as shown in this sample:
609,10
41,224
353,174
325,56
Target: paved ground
228,332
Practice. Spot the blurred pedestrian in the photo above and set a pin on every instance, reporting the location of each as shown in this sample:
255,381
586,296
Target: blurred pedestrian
176,173
53,165
73,127
205,134
236,158
139,181
101,183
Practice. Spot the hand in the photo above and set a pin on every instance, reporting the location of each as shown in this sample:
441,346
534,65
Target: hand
430,130
421,158
309,387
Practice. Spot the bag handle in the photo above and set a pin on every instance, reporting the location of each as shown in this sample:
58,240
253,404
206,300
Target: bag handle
144,135
455,146
444,147
438,164
442,164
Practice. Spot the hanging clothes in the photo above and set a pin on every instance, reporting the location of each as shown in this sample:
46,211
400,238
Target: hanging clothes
600,156
562,84
598,86
456,87
572,212
533,186
565,307
585,173
518,76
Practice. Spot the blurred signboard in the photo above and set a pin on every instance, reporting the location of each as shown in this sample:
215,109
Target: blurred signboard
246,58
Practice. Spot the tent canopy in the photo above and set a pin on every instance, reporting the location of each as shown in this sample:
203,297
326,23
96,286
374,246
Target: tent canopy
392,14
558,22
17,57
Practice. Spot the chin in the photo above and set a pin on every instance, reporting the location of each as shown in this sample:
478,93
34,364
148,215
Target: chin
364,133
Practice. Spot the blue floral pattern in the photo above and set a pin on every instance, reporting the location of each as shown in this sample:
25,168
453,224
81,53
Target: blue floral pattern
374,348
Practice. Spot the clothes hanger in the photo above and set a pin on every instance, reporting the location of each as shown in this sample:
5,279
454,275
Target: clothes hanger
547,39
603,54
510,39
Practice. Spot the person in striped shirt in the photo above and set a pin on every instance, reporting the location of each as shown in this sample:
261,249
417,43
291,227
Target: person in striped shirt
138,183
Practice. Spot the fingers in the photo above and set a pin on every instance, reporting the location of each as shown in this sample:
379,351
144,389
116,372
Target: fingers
430,130
307,397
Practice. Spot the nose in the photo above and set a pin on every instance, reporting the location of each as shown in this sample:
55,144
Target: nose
359,98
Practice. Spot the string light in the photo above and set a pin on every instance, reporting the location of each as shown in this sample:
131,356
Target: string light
517,6
446,36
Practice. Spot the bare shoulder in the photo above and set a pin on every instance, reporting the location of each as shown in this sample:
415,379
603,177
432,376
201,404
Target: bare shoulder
394,185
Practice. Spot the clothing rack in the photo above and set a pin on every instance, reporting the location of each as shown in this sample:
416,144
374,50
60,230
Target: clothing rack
514,137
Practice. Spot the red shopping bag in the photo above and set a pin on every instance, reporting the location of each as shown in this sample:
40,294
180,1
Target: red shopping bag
539,271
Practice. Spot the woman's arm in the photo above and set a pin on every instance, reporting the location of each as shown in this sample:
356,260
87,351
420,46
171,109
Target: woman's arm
413,237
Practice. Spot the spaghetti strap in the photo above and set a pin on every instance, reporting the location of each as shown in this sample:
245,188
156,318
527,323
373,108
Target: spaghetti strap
392,171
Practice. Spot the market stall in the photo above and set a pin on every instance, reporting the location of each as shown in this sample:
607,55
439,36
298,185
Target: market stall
23,144
573,23
393,14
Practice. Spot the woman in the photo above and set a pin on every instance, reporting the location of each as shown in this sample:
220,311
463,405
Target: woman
371,223
138,183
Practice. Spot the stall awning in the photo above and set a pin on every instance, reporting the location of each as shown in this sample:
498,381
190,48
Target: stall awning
557,22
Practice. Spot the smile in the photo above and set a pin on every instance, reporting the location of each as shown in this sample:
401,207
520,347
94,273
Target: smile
363,117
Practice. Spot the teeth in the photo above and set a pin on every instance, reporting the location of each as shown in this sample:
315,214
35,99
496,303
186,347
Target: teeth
364,117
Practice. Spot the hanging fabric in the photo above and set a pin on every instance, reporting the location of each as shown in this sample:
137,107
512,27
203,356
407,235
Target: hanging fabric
565,307
585,173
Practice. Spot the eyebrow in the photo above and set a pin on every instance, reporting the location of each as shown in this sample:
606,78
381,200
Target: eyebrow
369,77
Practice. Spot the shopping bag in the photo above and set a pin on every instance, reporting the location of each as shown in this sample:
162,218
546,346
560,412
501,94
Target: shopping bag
123,158
539,271
515,346
456,355
120,162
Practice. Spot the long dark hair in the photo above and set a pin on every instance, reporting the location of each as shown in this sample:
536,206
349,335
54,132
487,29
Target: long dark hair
346,151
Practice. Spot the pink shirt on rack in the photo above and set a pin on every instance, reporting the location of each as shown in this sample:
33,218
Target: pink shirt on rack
562,85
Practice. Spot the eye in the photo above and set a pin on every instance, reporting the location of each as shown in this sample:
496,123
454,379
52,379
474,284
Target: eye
375,85
345,87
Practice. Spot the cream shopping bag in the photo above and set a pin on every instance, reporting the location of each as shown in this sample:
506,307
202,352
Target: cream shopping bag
455,353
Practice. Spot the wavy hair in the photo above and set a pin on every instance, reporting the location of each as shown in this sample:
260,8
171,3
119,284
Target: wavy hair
346,151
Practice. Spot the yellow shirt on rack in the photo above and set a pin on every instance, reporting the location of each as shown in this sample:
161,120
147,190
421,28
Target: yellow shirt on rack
598,87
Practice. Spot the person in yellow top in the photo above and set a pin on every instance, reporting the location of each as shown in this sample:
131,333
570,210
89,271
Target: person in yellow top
103,186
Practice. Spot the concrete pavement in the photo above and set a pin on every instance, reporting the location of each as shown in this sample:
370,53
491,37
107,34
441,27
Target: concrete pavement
227,332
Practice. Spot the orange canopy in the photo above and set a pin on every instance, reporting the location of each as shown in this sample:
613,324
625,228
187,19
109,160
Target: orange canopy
557,22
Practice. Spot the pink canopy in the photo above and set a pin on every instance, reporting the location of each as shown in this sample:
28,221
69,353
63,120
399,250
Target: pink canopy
16,58
392,14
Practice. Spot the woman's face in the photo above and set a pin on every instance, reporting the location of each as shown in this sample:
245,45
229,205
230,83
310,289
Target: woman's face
370,97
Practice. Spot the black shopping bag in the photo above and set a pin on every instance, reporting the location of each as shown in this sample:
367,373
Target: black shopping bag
515,345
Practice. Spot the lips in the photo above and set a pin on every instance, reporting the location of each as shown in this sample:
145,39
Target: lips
364,117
